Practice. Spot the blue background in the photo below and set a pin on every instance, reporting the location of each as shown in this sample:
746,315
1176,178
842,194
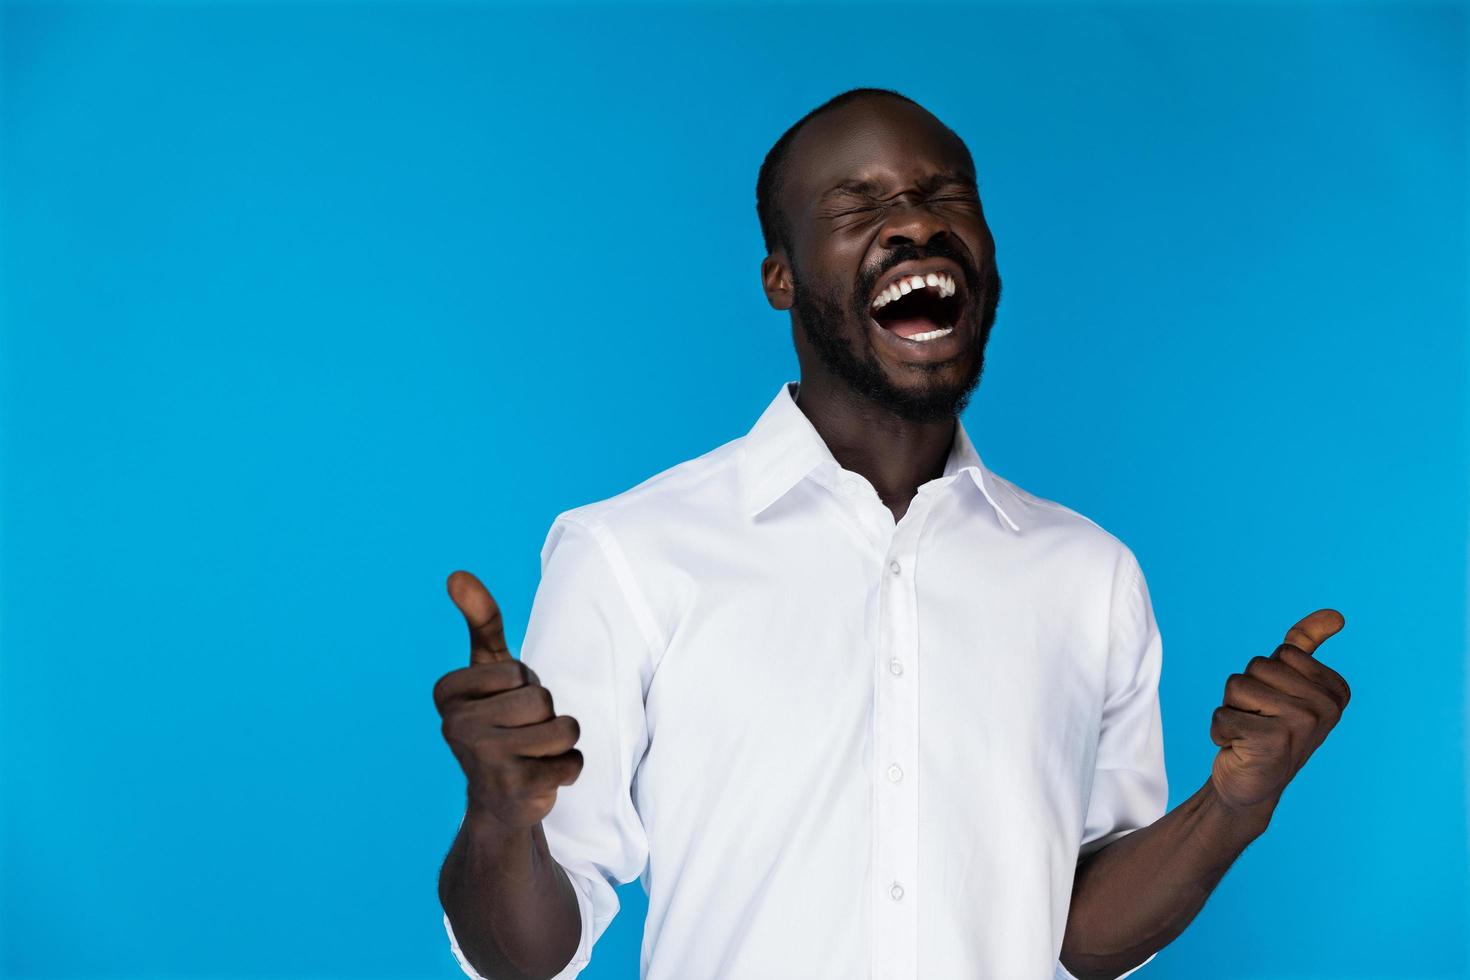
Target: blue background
307,305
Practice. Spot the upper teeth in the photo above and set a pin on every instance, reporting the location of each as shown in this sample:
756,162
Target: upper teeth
907,284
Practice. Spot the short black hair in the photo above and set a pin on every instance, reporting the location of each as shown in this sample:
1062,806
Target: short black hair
773,169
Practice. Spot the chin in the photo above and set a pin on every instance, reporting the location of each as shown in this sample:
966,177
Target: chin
930,387
929,403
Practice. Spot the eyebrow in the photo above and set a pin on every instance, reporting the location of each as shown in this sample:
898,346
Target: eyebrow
870,188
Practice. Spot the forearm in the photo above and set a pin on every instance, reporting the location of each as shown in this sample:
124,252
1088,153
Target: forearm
513,908
1133,897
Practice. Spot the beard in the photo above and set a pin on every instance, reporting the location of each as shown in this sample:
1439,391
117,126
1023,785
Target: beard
823,316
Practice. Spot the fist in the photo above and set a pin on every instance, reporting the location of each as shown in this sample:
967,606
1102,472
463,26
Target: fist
1276,714
499,721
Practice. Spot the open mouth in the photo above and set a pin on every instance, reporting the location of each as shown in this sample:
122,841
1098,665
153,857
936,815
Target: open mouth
921,308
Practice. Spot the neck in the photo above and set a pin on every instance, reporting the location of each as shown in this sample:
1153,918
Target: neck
895,454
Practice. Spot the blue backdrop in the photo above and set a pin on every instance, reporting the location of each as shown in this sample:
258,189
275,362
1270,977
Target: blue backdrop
307,305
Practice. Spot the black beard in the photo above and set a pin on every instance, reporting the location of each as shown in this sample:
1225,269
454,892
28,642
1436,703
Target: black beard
821,315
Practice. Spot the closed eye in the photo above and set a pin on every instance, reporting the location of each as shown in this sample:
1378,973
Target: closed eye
848,213
859,210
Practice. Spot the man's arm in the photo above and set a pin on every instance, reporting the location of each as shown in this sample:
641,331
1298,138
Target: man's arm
1134,896
550,829
513,909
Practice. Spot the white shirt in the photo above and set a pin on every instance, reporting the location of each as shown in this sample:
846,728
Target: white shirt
836,746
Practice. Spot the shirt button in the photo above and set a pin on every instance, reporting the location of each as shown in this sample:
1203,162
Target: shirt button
896,891
895,567
894,774
895,666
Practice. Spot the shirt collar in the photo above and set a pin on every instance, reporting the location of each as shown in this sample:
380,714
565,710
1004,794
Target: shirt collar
783,447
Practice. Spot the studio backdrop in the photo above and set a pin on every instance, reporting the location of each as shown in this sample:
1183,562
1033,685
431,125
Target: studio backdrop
308,304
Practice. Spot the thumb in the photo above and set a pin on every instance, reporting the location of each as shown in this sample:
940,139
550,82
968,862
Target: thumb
1313,628
482,615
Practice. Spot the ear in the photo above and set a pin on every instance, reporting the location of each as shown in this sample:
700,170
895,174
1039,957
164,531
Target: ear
776,281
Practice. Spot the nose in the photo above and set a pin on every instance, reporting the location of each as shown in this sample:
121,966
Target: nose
912,226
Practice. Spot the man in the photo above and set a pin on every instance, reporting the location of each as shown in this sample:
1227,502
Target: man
849,703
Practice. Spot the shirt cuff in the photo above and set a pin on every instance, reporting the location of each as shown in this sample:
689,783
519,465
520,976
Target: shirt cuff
1063,974
584,943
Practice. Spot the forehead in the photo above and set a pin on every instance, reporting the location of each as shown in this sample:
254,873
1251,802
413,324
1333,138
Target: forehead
880,140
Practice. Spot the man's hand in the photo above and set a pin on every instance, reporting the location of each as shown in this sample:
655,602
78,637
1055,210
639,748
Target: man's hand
498,720
1131,898
1275,715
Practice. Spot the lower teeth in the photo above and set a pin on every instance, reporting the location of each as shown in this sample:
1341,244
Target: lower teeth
933,334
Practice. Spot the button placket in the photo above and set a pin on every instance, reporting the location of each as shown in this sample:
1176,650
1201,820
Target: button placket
896,820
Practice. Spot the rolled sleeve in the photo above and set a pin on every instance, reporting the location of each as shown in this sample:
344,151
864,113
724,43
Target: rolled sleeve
590,639
1130,789
1063,974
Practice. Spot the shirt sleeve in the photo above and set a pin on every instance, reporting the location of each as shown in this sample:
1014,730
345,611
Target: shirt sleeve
1130,789
590,639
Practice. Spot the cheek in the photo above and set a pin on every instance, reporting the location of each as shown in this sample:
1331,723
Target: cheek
825,291
985,246
838,257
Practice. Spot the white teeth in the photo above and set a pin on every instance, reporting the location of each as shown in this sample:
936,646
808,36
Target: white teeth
938,281
932,334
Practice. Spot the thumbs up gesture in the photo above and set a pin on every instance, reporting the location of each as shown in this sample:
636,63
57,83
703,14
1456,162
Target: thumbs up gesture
499,721
1276,714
